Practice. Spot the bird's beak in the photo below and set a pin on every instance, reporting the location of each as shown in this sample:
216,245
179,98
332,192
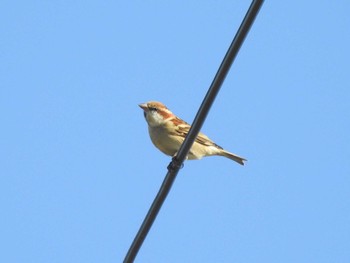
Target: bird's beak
143,106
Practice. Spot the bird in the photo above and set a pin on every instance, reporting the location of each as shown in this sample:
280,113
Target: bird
167,133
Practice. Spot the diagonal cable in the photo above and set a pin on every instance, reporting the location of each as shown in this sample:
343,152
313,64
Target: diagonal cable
178,160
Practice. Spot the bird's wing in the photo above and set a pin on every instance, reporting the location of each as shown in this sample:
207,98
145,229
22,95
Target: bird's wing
183,129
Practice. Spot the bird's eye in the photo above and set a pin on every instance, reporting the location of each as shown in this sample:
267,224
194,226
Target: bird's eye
153,109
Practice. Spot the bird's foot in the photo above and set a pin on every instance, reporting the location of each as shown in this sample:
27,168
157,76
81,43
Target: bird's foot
175,164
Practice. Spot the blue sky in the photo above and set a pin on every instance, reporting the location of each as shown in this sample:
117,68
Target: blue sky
78,171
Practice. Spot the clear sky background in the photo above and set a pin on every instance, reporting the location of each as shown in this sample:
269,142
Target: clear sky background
78,171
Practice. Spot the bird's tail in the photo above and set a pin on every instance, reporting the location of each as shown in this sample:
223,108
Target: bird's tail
233,157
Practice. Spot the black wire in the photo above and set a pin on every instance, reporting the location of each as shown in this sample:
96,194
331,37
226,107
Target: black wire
177,161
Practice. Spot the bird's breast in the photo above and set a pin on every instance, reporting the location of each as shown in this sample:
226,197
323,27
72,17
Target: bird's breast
164,141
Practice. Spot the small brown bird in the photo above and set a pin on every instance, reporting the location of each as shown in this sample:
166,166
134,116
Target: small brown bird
168,132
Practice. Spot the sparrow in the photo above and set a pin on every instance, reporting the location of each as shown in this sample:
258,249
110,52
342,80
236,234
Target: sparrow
167,132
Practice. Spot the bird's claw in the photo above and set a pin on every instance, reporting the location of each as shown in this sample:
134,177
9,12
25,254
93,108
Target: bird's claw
175,164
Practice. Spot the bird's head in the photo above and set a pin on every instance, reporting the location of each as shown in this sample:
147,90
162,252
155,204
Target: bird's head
156,113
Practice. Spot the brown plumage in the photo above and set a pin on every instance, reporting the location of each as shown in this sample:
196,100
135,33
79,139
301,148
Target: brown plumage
168,132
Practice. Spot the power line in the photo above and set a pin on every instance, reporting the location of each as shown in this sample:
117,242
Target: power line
202,113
